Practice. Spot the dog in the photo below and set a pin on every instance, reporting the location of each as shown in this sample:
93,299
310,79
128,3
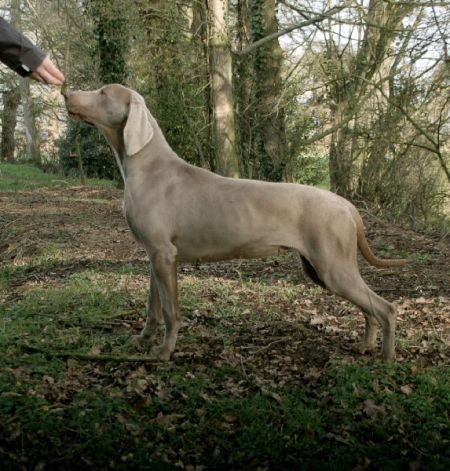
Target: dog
179,212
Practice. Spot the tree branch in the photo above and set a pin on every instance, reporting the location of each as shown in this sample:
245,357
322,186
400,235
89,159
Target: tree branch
329,131
317,19
87,356
434,145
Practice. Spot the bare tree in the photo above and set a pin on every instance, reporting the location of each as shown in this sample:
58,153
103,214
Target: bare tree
222,104
349,76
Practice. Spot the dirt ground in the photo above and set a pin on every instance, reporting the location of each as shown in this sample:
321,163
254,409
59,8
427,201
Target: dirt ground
87,224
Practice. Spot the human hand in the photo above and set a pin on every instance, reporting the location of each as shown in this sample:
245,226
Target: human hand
48,73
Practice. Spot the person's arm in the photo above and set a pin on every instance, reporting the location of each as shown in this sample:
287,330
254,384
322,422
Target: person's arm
22,56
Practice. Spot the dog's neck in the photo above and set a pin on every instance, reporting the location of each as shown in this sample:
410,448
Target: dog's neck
116,142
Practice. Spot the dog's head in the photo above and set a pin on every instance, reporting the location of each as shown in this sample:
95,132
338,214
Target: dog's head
114,109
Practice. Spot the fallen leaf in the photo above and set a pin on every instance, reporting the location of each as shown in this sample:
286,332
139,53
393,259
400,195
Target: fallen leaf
406,389
167,419
230,418
317,320
10,394
373,410
95,350
423,300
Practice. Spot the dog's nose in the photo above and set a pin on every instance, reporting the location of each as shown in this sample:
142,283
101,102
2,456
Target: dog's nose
64,92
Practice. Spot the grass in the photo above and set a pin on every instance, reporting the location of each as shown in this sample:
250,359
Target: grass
253,384
25,177
206,411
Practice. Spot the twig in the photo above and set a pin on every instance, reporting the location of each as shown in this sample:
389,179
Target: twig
271,344
86,356
316,19
244,372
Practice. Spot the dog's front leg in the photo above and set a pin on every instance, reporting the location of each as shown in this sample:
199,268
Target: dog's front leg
154,314
165,273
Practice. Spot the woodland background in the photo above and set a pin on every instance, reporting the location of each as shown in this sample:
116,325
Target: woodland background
267,374
350,95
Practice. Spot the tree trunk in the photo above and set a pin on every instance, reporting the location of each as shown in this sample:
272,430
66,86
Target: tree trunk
261,114
11,100
339,158
243,86
111,31
30,125
24,92
220,70
199,39
271,111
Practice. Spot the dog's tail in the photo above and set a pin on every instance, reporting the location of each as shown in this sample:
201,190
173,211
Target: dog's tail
367,252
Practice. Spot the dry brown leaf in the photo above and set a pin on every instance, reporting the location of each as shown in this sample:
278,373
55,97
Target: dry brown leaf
373,410
406,389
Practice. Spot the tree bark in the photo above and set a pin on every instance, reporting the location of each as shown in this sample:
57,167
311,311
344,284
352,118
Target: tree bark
243,88
271,86
340,163
261,114
30,125
11,100
24,92
221,89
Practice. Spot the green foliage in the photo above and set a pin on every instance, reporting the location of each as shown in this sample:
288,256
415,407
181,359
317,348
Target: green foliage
98,160
257,85
111,32
404,180
310,168
172,72
109,43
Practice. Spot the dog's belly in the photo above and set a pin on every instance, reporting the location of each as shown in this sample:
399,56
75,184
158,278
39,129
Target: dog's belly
219,255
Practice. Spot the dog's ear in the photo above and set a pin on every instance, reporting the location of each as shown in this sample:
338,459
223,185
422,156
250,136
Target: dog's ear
138,130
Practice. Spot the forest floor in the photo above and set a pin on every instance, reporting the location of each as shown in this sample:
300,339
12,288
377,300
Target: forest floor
266,374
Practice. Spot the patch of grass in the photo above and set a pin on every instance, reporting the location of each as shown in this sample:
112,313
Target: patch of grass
194,421
419,257
69,315
210,412
24,177
389,251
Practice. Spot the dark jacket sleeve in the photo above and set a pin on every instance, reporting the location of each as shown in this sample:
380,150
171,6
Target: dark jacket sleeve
18,52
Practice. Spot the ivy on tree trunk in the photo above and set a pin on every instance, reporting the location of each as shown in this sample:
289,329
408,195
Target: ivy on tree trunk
261,114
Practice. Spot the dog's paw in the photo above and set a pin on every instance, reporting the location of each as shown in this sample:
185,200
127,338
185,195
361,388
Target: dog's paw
140,342
161,353
365,348
388,356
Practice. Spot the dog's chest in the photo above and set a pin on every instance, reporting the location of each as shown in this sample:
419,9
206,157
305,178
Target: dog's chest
128,211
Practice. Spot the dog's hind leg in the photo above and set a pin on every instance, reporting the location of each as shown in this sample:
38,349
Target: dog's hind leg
344,279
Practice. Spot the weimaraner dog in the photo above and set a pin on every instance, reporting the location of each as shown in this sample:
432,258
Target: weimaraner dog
179,212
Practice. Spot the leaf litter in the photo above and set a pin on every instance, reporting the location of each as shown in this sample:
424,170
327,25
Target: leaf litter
249,327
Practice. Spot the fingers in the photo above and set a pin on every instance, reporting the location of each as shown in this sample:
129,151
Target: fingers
48,73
